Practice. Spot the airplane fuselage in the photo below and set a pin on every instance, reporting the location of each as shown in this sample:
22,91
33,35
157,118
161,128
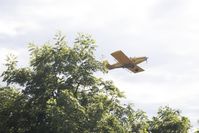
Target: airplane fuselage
135,60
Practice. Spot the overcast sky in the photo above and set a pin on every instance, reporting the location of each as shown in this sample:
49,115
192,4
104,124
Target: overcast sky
167,31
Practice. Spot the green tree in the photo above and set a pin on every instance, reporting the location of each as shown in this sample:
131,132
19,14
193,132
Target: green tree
197,130
11,104
61,94
169,120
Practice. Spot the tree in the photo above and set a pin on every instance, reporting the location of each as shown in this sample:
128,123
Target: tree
197,130
11,104
61,94
7,98
169,120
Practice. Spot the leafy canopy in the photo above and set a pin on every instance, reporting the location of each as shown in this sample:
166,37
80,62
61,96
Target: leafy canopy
60,94
169,120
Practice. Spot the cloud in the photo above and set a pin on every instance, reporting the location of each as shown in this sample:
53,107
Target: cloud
14,28
165,31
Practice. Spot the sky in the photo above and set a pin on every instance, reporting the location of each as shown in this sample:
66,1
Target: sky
166,31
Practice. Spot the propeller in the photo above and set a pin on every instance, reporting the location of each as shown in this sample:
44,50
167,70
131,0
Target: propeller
146,58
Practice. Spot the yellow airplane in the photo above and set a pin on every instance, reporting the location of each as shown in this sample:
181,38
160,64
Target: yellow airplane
125,62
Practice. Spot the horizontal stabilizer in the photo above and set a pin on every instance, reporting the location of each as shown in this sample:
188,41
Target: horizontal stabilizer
136,69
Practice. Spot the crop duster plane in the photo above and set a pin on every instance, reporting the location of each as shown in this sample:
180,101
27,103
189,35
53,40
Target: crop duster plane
126,62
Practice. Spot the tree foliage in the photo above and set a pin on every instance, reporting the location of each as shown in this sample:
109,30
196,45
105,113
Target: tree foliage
59,93
169,120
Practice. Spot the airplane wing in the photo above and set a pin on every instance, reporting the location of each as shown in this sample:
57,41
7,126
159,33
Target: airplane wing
138,60
135,69
121,57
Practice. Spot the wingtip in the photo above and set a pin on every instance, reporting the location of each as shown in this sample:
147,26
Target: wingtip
118,51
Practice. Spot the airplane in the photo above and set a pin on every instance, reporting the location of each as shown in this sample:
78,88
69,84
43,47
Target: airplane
126,62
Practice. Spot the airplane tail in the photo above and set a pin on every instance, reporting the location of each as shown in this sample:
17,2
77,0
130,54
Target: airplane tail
106,63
